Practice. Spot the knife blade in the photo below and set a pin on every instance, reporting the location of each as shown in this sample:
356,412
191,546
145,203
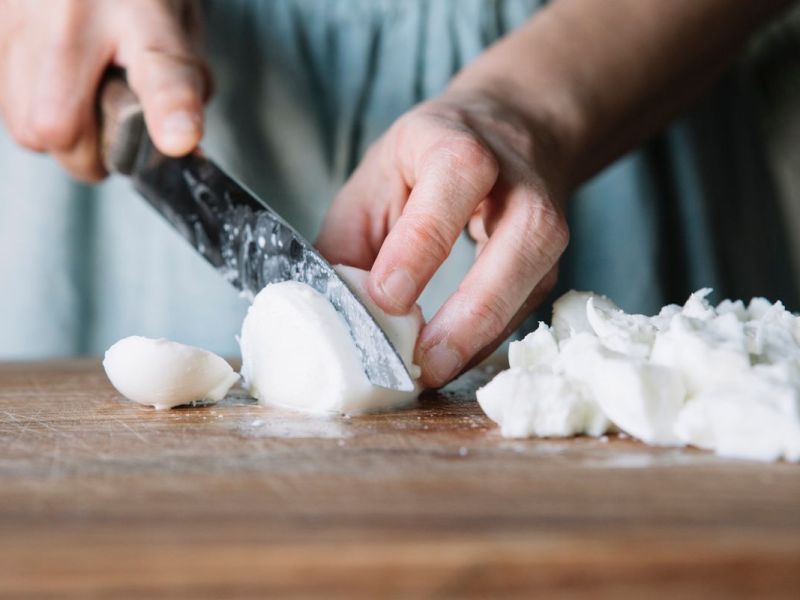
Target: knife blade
239,234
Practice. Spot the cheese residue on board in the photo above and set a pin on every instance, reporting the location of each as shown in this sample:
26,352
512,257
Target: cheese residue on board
724,378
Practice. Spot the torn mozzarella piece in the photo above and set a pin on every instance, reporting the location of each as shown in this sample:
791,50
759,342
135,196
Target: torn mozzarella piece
697,307
702,357
297,350
526,402
632,335
569,313
640,398
663,319
163,374
537,348
755,417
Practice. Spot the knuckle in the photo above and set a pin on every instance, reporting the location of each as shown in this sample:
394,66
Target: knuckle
24,135
549,281
542,236
69,22
171,94
466,154
556,229
544,227
82,165
431,233
52,127
491,316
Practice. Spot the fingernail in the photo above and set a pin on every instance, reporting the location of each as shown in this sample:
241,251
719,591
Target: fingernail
441,362
178,127
399,288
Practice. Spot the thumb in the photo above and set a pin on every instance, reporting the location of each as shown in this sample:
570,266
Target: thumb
171,88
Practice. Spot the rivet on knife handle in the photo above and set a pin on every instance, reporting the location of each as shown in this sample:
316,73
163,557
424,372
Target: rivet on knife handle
121,123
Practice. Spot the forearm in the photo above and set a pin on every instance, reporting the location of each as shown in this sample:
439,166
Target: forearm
602,75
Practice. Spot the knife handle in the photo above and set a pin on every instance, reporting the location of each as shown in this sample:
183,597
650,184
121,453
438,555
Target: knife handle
121,119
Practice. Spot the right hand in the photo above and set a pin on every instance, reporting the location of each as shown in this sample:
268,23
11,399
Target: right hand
53,54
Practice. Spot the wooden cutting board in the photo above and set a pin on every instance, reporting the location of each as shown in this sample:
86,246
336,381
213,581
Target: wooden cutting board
102,498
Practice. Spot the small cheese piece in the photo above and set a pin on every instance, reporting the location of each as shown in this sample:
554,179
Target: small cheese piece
698,307
298,352
537,348
698,351
537,402
569,313
163,374
631,335
640,398
755,417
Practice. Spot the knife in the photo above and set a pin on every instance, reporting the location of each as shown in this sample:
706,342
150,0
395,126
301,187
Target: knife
248,243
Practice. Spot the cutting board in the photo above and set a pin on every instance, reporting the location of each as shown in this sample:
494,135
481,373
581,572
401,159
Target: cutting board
100,497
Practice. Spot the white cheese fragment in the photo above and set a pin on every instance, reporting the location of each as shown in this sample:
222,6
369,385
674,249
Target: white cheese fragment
537,348
663,319
733,306
640,398
756,417
631,335
771,336
697,307
699,353
527,402
569,313
298,352
758,307
163,374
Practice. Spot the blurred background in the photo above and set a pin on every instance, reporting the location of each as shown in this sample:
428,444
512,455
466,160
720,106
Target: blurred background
302,88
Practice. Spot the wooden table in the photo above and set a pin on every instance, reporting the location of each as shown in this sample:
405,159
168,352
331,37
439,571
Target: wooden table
103,498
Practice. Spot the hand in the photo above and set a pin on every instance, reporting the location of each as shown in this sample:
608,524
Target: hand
53,55
465,159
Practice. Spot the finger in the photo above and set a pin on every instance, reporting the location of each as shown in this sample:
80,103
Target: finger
82,160
537,296
167,72
171,88
362,213
16,70
448,182
54,85
524,247
64,111
63,107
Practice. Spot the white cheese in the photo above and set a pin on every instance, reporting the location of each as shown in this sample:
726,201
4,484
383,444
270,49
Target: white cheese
298,352
725,378
528,402
163,374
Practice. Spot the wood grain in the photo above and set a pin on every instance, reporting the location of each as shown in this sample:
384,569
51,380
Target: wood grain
102,498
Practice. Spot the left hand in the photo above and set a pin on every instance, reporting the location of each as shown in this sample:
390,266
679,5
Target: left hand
464,159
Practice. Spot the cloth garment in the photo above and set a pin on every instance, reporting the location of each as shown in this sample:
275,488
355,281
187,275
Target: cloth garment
302,88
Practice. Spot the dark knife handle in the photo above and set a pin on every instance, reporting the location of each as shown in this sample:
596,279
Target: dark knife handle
122,127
